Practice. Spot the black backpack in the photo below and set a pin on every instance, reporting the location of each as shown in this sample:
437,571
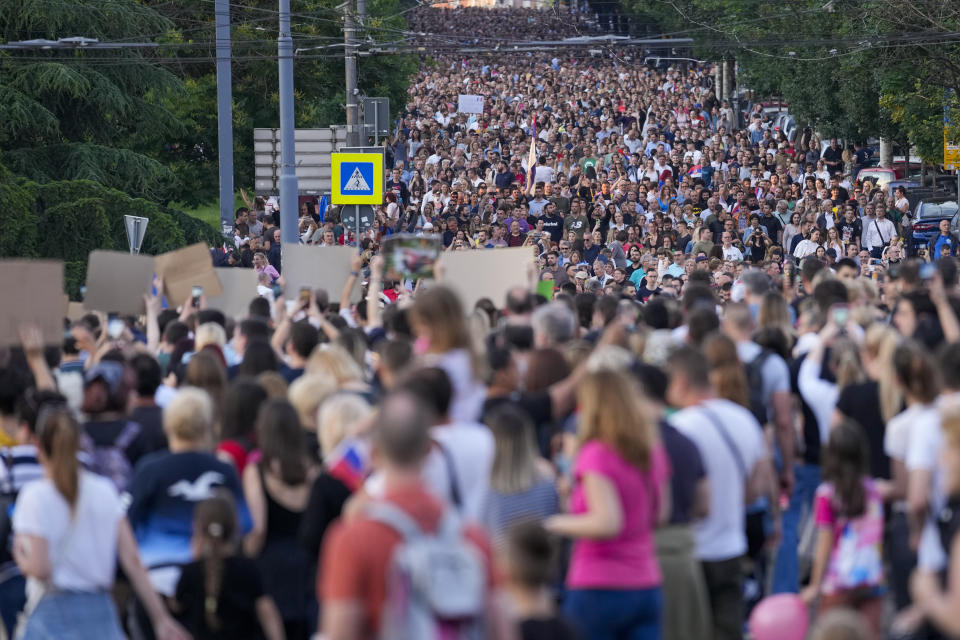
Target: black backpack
758,404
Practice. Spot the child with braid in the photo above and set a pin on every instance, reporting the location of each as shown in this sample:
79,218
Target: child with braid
220,594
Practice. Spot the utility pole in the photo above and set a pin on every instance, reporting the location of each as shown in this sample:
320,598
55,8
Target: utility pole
288,170
350,68
362,13
224,117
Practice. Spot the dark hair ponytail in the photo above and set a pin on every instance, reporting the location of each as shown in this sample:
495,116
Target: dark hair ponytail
60,440
845,465
215,523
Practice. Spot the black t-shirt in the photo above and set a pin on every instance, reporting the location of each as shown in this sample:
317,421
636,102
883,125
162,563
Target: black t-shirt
327,497
644,293
536,404
811,429
861,403
554,226
832,155
152,438
547,629
687,468
539,407
849,232
289,373
241,587
772,226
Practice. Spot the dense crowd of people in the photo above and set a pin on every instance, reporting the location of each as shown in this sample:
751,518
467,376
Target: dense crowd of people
741,383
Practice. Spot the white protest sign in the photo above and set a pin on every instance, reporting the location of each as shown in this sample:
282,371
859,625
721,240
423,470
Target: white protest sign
470,104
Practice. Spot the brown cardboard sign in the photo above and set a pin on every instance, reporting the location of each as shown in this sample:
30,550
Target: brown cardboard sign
486,273
186,268
32,293
318,268
239,288
116,282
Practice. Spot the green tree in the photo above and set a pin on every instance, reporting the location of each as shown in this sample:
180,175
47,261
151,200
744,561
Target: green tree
851,69
65,114
318,80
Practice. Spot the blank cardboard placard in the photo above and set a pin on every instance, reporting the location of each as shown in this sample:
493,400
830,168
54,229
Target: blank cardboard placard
486,273
186,268
469,103
32,293
239,288
116,282
75,311
318,268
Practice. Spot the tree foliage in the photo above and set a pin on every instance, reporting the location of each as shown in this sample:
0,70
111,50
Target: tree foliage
68,219
849,68
89,135
318,81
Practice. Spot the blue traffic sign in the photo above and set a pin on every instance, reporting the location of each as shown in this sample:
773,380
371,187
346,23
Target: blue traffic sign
357,178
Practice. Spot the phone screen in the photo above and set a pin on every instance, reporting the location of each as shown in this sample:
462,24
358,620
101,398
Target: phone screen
195,295
114,328
304,297
840,314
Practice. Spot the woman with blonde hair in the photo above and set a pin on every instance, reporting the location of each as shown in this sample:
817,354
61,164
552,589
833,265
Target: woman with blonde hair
341,418
620,494
443,340
307,394
521,482
775,313
873,402
336,361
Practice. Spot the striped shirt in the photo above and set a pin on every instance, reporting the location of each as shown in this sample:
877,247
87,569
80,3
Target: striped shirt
507,509
18,466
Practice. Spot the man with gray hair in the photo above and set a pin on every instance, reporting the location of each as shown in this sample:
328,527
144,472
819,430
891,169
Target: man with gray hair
553,325
755,285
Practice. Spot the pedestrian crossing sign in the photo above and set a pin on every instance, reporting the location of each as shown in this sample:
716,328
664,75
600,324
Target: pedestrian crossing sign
357,178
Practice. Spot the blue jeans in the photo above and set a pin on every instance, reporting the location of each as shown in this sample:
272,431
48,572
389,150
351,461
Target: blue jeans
615,614
74,615
786,567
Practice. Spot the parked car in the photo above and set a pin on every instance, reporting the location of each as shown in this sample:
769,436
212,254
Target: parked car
883,177
927,215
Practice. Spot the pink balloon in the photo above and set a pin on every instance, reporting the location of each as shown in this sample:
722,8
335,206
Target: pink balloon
780,617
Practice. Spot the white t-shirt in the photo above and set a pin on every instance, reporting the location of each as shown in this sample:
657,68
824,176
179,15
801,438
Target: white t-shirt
720,536
819,393
82,546
914,435
732,254
468,393
470,447
926,442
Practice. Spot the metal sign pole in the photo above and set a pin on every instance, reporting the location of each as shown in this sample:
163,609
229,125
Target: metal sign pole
376,125
356,225
136,230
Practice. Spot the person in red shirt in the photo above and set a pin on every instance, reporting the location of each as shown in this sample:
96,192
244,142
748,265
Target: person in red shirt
357,551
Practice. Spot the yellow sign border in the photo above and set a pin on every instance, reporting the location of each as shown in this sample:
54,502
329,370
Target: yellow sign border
337,159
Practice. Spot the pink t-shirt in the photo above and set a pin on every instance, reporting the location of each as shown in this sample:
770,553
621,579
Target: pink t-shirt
628,561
